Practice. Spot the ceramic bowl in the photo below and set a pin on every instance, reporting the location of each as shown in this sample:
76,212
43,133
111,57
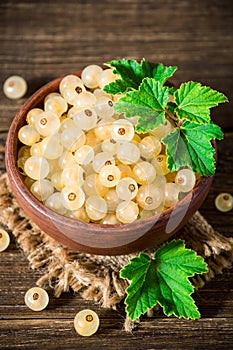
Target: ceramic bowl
89,237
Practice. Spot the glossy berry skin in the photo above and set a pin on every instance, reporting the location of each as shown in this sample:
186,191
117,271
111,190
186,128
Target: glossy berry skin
73,198
106,77
96,207
86,323
90,76
36,167
127,212
127,188
109,175
122,130
28,135
4,240
36,299
224,202
15,87
171,194
185,179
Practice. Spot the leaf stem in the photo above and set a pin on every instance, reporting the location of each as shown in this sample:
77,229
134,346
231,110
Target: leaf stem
171,118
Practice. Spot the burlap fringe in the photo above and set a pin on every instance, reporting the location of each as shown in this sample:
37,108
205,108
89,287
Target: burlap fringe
96,277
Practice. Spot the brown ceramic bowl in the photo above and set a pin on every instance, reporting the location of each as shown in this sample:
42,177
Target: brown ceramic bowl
88,237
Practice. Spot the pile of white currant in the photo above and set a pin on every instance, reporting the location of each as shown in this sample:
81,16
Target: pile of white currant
86,162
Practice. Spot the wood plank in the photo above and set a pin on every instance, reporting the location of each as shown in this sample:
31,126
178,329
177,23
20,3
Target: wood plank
150,333
46,39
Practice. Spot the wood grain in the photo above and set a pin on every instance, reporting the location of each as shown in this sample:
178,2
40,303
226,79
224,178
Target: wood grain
45,39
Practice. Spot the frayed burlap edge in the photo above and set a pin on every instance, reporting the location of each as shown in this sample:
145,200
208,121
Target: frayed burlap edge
96,277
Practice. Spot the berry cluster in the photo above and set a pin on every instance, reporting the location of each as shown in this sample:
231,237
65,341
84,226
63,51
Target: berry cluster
86,162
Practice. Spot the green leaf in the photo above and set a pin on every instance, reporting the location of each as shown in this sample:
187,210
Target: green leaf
161,73
163,280
132,73
148,103
116,87
194,102
190,145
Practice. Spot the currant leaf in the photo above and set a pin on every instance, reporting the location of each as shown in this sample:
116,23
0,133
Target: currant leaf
161,73
190,146
163,279
148,103
194,102
132,73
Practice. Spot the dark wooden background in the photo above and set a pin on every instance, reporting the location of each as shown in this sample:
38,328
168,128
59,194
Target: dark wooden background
41,40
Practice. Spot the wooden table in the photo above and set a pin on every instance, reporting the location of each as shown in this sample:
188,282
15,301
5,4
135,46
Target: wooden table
41,40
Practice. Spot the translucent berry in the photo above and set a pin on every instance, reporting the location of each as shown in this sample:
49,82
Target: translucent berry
70,87
36,167
42,189
145,214
84,155
128,153
122,130
67,123
24,151
51,95
86,323
85,119
127,212
96,207
47,123
93,186
109,175
149,197
55,203
73,197
73,138
91,139
127,188
101,159
56,181
32,115
160,164
112,199
126,170
104,107
51,146
15,87
85,99
171,194
150,147
53,167
100,93
103,130
144,173
56,104
37,150
73,175
224,202
4,240
109,146
80,214
90,76
36,299
106,77
66,160
28,135
110,219
185,179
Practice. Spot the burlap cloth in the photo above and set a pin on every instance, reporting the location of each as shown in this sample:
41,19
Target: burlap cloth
96,277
